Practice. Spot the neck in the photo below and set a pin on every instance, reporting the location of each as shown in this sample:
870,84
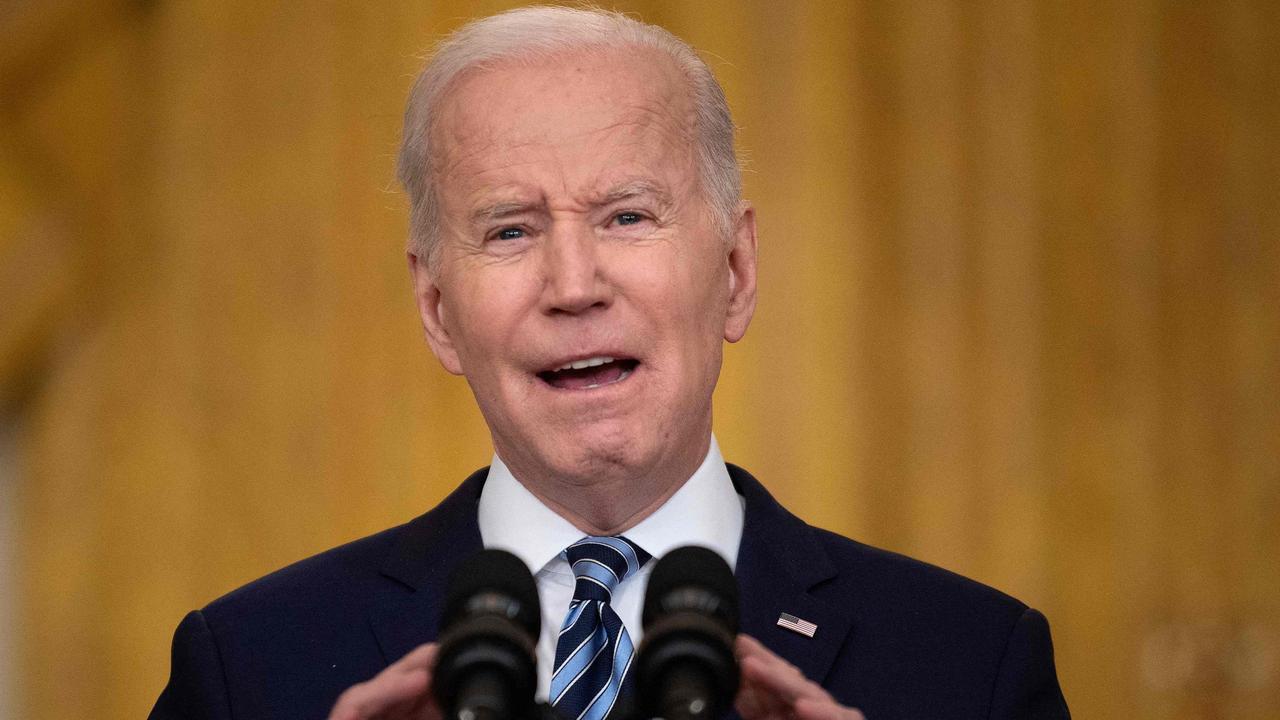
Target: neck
614,500
602,514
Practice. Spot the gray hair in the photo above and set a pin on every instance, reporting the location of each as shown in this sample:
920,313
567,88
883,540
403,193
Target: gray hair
538,32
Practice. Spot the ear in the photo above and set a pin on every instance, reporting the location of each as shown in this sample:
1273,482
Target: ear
430,302
742,275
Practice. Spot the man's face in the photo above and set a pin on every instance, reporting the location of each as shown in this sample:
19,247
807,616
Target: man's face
581,285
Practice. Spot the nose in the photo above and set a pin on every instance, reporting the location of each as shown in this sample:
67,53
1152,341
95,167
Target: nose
571,271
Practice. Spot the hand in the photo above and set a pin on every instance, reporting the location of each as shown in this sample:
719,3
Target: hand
403,690
774,689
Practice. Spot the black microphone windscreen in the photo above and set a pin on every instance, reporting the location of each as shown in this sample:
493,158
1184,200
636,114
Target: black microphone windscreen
484,578
692,568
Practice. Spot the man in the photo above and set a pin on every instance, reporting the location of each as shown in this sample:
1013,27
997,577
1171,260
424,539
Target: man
579,254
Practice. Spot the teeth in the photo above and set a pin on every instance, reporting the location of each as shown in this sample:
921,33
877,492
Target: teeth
582,364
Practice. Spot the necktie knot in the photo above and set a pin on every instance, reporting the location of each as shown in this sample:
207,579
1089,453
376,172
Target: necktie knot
600,563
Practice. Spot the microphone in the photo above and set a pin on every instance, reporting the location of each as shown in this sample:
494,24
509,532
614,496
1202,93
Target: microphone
486,668
685,669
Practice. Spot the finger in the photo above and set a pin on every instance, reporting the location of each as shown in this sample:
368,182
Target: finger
756,661
421,657
774,688
777,677
745,645
809,709
426,708
748,647
419,704
748,702
760,699
395,690
402,689
383,695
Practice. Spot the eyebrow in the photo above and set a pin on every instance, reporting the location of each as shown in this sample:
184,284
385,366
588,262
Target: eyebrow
504,209
634,188
618,193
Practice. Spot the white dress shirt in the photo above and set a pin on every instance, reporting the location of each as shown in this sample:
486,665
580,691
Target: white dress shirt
705,511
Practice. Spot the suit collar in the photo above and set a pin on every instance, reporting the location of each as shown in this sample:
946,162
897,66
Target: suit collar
421,563
435,542
781,563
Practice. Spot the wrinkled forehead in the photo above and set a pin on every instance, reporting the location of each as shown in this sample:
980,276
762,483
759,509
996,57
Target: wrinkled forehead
521,101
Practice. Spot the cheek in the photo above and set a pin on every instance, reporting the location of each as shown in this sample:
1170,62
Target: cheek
484,340
697,313
709,293
481,306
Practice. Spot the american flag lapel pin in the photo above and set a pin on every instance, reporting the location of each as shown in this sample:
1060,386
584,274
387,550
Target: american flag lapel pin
795,624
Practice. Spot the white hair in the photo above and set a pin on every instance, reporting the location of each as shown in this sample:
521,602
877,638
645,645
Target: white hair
540,32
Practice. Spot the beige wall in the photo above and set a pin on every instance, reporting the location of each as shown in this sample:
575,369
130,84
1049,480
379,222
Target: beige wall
1020,314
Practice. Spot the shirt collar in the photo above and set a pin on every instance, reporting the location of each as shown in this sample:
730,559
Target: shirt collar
706,511
511,518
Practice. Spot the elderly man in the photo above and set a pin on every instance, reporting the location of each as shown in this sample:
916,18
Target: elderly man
579,254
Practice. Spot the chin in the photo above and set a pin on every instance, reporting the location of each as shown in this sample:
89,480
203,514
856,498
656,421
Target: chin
596,457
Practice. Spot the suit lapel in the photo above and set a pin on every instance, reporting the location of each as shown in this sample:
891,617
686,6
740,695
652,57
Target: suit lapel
780,562
418,569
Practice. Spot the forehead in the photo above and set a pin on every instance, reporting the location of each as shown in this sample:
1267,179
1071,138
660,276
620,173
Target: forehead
565,108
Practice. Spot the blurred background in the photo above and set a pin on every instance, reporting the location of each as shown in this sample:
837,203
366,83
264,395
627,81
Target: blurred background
1019,316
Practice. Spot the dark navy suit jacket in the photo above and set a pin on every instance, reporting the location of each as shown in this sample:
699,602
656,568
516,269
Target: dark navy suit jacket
896,638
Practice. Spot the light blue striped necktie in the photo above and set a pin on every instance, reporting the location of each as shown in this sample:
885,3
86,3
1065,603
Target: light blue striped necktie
594,650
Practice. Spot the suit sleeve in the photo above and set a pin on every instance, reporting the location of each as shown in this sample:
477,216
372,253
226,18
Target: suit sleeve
1027,684
197,687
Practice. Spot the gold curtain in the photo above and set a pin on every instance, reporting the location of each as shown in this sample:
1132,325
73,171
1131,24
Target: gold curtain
1019,315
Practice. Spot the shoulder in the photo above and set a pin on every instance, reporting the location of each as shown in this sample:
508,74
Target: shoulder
917,599
286,644
301,627
909,639
294,614
907,581
339,581
904,638
898,606
325,577
938,642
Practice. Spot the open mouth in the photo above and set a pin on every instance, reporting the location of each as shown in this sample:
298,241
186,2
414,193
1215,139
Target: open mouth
589,373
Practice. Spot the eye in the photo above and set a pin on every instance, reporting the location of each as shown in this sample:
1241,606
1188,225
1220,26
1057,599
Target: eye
628,218
509,233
